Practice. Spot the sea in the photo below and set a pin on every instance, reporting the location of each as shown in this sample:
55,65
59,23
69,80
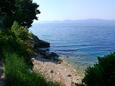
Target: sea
79,43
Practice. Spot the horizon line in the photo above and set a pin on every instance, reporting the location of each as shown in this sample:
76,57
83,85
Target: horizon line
73,20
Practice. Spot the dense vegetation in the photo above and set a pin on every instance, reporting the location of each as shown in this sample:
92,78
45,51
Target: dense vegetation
102,73
18,73
22,11
18,40
16,47
17,44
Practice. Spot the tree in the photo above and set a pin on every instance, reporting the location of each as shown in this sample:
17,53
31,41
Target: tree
22,11
102,73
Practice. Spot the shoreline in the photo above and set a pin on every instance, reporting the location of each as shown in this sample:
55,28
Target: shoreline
63,72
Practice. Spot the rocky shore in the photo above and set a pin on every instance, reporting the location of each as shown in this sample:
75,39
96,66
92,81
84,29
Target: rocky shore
52,67
57,72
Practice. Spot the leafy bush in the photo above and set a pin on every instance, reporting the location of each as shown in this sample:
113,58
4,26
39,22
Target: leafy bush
102,73
15,46
18,74
18,39
7,41
24,41
23,38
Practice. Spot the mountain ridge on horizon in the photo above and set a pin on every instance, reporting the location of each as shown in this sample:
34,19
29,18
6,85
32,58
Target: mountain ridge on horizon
77,20
85,22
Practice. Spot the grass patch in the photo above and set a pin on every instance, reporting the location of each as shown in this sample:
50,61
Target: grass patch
17,73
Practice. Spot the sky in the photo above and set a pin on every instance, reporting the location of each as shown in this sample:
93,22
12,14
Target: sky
52,10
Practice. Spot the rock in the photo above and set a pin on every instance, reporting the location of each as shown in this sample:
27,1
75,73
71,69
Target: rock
69,75
42,47
60,61
49,55
51,71
32,59
53,55
43,44
74,84
40,43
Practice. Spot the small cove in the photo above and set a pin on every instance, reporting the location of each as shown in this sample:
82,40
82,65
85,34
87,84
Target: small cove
81,44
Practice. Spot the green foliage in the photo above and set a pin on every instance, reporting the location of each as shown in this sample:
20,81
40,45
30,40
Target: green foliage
16,43
18,74
22,11
6,40
18,39
23,38
15,46
102,73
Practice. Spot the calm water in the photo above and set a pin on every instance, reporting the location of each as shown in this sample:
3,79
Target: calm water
82,44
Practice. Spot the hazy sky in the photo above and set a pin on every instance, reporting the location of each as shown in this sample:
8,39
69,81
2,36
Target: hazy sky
76,9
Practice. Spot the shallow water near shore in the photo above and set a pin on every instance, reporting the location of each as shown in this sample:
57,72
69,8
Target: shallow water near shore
79,44
80,68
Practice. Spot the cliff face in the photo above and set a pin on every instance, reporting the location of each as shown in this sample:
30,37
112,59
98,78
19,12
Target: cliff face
42,48
40,43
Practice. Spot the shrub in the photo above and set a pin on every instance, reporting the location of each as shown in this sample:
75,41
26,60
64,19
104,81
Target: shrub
23,38
19,40
102,73
18,74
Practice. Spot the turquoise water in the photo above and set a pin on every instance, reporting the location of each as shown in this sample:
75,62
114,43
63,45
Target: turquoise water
82,44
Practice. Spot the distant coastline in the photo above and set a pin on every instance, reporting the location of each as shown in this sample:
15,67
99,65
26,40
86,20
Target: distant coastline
82,22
